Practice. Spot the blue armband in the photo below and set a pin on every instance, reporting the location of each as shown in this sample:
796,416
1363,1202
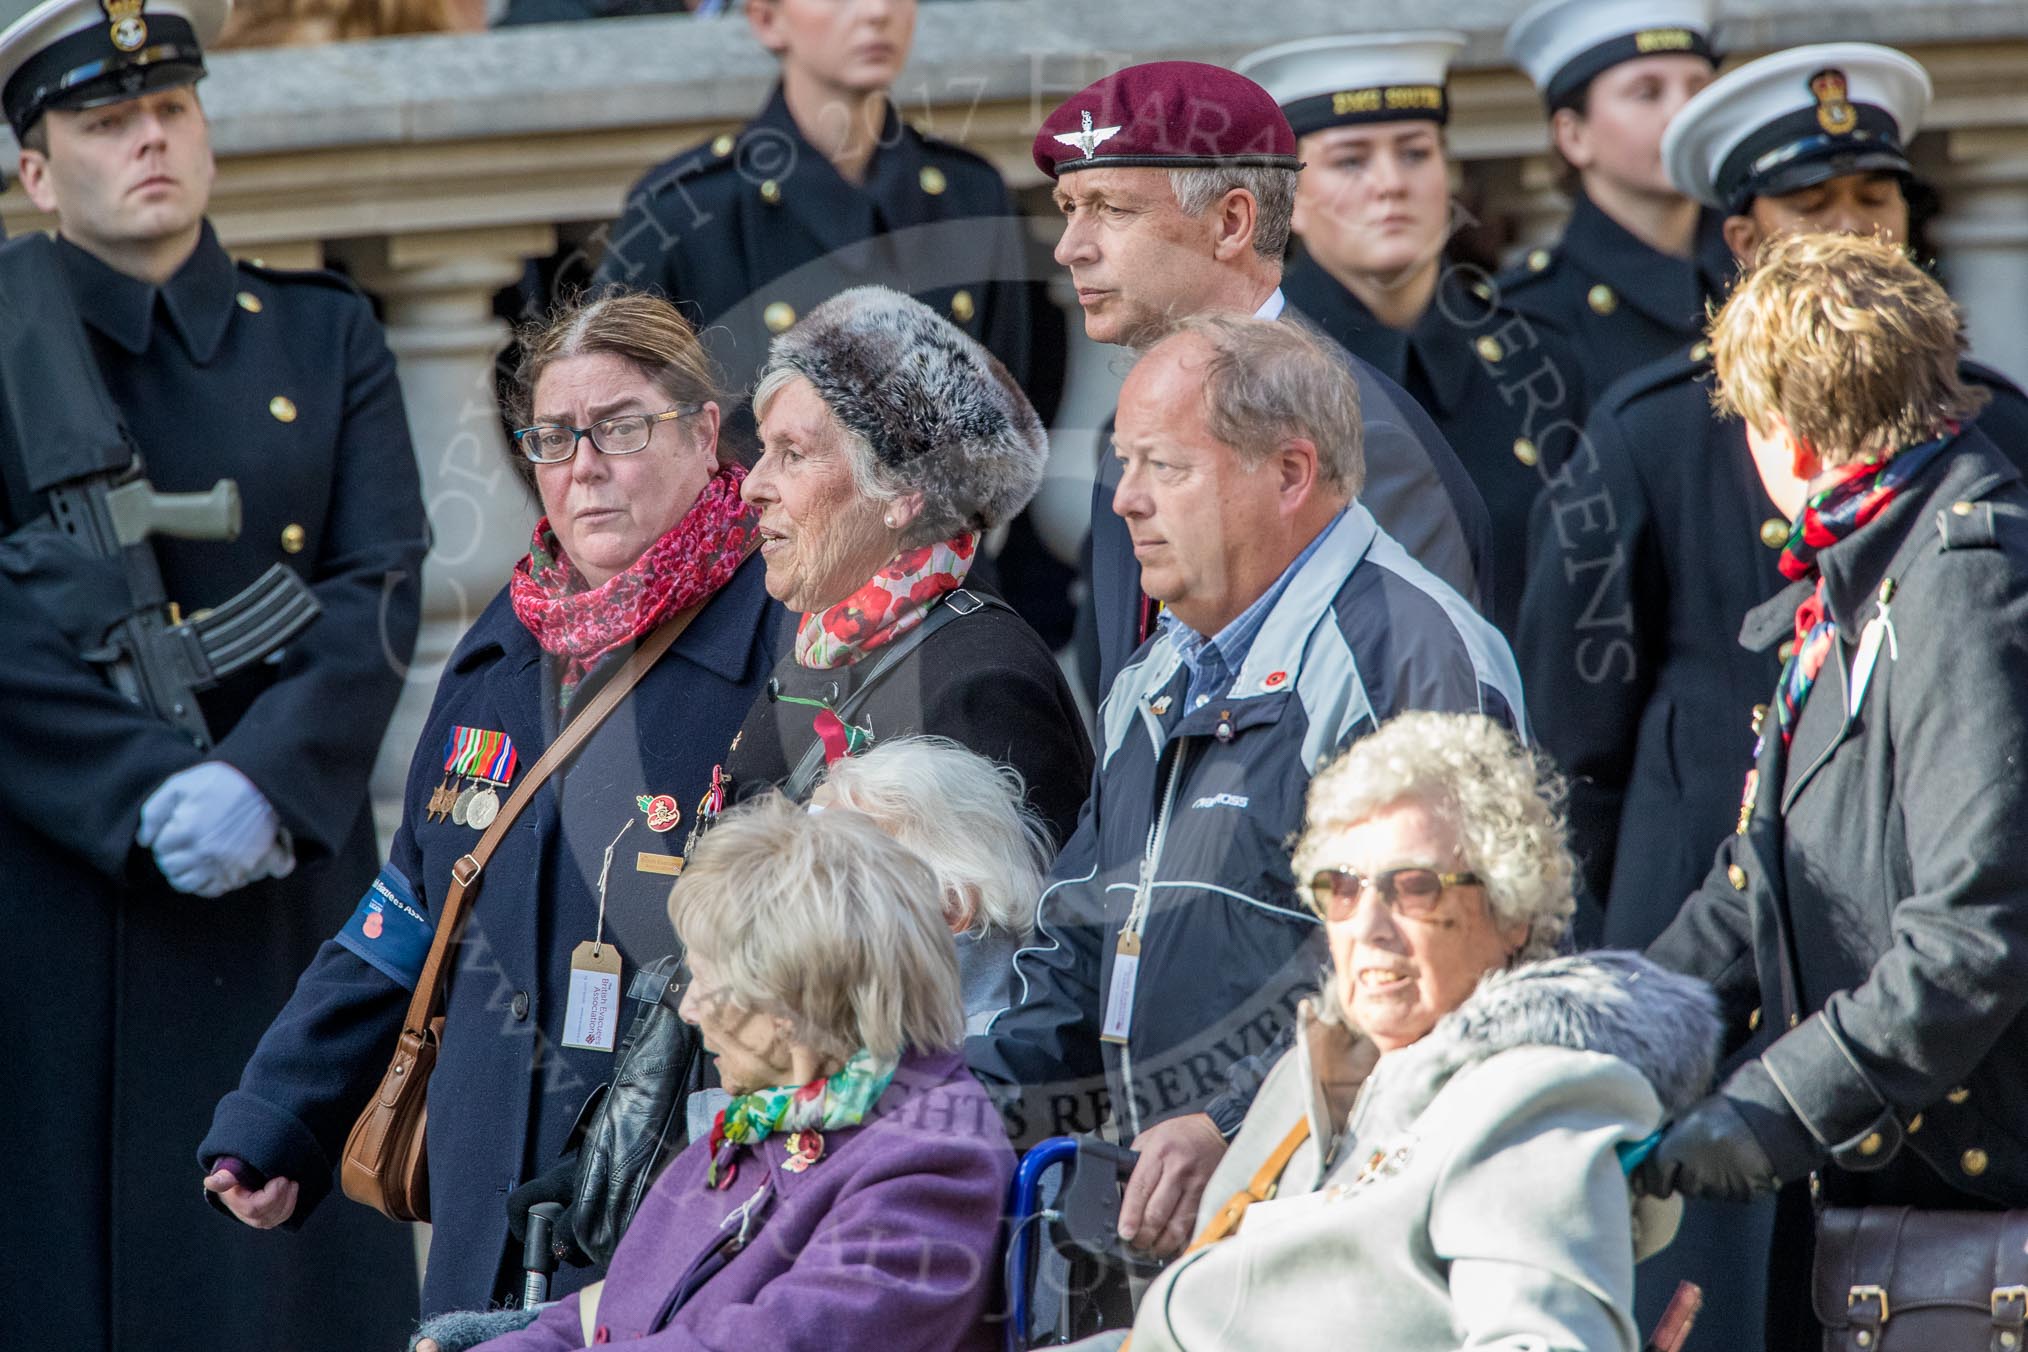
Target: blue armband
390,930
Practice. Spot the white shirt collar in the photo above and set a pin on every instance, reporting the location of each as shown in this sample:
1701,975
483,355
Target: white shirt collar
1271,308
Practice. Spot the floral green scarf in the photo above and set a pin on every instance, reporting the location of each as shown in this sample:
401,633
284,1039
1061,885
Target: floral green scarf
801,1111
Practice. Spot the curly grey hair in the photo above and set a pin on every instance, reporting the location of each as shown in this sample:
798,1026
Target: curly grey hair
924,408
963,815
1501,799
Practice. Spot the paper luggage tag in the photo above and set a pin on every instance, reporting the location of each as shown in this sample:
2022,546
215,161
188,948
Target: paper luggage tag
592,1017
1119,1015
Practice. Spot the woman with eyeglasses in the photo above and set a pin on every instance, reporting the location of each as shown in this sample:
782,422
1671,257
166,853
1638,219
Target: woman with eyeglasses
1461,1103
642,527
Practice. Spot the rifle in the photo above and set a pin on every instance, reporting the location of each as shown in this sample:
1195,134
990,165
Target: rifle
88,563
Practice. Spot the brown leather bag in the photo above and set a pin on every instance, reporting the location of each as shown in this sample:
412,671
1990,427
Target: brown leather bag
386,1163
1891,1279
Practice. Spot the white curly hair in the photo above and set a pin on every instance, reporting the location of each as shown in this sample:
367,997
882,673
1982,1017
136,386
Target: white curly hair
1501,799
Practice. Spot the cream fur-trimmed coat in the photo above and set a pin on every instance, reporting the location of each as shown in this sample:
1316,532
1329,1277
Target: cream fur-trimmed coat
1474,1198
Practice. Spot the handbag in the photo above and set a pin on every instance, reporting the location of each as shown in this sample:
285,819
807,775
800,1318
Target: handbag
386,1160
636,1126
1893,1278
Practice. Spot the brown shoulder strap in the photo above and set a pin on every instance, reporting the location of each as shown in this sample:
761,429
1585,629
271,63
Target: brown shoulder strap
465,873
1259,1189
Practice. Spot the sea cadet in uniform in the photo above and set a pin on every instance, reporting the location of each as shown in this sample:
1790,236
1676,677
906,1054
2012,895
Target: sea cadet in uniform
1653,543
827,189
1638,260
1373,210
161,899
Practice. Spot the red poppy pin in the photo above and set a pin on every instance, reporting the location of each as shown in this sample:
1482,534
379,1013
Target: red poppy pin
375,923
1275,680
663,814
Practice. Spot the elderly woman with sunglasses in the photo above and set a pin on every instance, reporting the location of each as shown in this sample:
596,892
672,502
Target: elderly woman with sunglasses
642,530
1460,1102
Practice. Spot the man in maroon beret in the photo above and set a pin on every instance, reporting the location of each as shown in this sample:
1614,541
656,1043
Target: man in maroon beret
1177,181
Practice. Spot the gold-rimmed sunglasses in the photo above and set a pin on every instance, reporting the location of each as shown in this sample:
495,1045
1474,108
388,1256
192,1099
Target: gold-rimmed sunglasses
1414,891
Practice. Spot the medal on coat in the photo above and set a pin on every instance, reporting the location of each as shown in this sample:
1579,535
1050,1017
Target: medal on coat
482,761
591,1018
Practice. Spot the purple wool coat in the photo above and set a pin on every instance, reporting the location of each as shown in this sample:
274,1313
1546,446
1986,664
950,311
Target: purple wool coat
891,1239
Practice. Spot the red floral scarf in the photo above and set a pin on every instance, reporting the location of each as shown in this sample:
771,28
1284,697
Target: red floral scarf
582,623
891,603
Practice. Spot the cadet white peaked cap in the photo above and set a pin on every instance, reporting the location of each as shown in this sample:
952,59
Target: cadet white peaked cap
1564,44
86,53
1796,119
1358,77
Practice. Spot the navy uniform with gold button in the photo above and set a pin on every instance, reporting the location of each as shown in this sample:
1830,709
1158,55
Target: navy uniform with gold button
130,1006
1620,302
1650,546
1503,390
755,227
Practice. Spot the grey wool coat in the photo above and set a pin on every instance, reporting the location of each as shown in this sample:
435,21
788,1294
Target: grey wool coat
1473,1197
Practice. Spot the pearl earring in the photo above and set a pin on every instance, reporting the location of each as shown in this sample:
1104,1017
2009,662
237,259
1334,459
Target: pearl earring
890,523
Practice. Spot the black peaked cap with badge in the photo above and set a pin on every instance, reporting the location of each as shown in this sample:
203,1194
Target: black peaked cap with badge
1467,360
282,382
1620,302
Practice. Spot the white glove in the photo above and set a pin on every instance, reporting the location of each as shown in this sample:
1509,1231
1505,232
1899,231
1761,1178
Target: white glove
213,832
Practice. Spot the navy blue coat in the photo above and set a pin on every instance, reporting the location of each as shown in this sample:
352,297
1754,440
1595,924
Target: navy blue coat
753,228
132,1007
1619,303
1647,552
506,1092
1503,389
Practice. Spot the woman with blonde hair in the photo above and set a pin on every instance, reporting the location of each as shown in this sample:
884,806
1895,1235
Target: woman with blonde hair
850,1193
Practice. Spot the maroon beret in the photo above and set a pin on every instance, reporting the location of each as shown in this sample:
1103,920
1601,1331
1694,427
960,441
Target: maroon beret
1167,115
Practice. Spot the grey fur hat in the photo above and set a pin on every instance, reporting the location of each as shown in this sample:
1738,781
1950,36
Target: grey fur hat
943,416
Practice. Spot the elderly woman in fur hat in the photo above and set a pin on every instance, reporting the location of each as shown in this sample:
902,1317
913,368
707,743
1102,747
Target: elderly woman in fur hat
1459,1100
891,443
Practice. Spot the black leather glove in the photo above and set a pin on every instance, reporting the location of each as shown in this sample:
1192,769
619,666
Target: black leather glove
1708,1152
553,1185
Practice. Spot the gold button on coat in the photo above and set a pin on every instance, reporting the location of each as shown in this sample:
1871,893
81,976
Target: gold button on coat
1785,652
1759,717
778,316
1871,1145
1959,1095
1774,532
1700,350
722,146
1736,875
1973,1161
963,307
1489,349
1753,1020
1538,259
1961,509
1601,299
933,180
1525,452
249,302
1482,290
770,191
294,537
1915,1124
283,407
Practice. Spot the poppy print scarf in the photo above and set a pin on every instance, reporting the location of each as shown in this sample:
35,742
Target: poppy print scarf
892,602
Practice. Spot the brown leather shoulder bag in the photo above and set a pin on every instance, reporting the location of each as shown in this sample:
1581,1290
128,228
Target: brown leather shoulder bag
386,1162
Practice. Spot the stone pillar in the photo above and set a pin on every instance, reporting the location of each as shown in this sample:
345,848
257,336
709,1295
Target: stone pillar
437,290
1982,241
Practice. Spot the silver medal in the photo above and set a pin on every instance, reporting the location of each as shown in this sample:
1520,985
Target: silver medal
464,804
484,807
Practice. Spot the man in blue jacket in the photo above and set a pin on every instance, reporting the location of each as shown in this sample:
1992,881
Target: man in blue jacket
1170,947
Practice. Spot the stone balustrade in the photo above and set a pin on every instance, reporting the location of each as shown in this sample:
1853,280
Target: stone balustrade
436,167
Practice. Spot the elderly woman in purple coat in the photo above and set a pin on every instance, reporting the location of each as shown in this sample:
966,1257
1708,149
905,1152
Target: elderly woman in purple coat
850,1193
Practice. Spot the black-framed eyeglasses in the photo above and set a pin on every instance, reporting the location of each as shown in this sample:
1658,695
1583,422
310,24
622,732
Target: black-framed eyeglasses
622,434
1415,892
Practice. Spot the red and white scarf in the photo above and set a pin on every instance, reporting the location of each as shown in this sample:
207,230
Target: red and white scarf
583,623
892,602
